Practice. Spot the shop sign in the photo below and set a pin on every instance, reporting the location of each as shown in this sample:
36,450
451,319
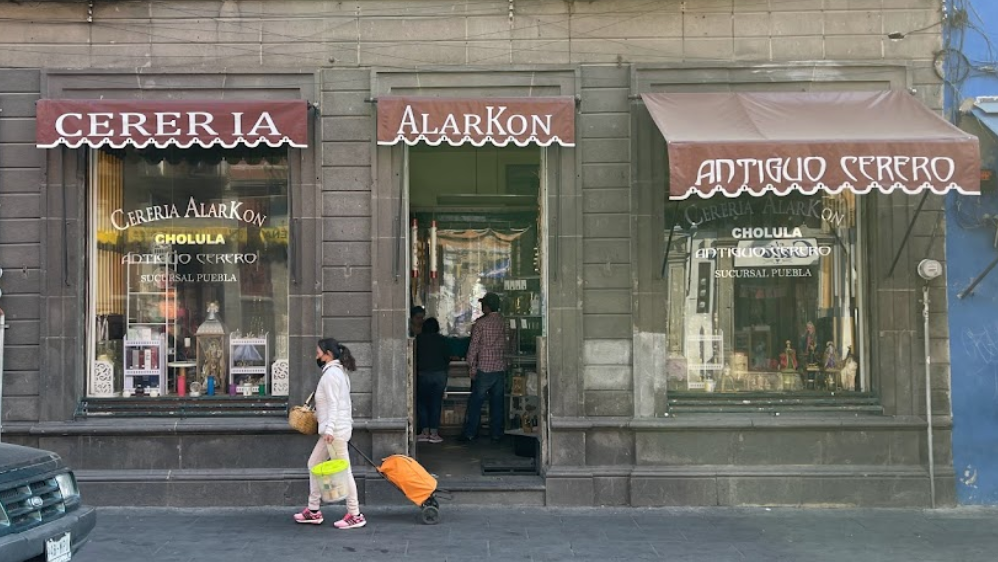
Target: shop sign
162,123
849,169
757,142
479,121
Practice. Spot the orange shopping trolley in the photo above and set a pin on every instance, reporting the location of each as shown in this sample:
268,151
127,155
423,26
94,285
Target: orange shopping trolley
406,474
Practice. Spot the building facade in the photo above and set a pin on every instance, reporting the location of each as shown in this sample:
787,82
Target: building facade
799,388
970,246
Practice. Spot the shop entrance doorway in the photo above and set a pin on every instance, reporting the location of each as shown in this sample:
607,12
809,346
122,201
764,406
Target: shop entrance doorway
476,226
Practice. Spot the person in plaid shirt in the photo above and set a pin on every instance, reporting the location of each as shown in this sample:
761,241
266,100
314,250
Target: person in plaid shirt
487,369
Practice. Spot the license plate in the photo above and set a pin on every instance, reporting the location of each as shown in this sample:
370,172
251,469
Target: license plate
59,549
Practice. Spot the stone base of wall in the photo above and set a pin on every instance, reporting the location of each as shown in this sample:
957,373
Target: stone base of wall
826,486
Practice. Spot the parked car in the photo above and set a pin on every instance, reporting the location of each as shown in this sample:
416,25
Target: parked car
41,515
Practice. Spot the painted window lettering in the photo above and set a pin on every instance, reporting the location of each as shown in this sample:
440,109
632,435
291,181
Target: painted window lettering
122,220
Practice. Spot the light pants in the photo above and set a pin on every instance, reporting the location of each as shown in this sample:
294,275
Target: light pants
320,454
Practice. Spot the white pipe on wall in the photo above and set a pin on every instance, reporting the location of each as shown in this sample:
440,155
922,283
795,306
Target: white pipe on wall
3,329
928,398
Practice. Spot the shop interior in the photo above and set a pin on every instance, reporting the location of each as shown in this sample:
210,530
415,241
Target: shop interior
476,226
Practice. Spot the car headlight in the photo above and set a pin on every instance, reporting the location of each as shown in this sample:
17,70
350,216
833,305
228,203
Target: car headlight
4,520
67,485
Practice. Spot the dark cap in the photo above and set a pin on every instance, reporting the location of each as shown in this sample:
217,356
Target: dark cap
490,300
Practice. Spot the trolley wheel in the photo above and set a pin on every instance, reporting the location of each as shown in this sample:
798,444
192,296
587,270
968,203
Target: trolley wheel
429,515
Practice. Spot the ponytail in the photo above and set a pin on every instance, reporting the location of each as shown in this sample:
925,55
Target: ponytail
340,352
346,358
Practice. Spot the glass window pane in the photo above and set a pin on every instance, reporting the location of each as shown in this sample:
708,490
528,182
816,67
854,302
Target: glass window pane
762,294
189,271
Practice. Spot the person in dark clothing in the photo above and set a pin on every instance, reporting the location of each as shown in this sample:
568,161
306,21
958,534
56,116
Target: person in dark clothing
432,362
417,314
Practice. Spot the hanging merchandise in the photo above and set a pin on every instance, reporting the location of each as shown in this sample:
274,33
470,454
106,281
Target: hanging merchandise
433,249
414,239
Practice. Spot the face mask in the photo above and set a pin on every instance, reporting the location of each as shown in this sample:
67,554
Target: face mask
320,363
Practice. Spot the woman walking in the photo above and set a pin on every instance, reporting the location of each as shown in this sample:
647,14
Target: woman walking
335,415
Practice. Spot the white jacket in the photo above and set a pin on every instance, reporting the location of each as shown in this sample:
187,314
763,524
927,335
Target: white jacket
333,408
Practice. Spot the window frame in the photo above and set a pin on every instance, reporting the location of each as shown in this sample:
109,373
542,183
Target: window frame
271,403
858,254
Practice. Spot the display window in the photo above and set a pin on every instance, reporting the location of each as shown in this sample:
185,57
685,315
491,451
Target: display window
188,272
764,294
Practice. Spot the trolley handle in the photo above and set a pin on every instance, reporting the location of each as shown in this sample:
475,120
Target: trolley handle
363,456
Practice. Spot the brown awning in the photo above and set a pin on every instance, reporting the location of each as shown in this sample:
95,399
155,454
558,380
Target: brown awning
734,143
162,123
479,121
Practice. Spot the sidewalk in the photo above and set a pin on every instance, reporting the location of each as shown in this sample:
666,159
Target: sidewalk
548,535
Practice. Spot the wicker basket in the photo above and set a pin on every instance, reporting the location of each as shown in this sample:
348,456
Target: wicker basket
302,418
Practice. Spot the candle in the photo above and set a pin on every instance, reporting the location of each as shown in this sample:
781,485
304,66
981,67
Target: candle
433,249
232,389
415,248
211,386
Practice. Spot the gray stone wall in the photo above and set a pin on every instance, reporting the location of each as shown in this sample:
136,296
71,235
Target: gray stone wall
392,33
345,209
21,234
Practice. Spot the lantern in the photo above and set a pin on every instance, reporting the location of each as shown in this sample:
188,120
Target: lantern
211,351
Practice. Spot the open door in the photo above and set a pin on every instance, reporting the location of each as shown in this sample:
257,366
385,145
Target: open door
476,225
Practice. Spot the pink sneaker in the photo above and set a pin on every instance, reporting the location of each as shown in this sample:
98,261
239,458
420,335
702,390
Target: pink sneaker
435,438
351,522
309,517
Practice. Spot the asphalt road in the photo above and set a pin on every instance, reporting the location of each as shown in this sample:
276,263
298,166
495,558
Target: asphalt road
543,534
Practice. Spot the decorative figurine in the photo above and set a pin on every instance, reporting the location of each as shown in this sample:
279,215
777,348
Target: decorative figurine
831,358
727,382
849,368
809,345
788,359
830,367
789,379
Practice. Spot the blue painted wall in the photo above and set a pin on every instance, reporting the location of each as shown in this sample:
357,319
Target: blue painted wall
970,247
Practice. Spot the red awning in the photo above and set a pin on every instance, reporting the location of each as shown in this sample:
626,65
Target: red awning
735,143
479,121
162,123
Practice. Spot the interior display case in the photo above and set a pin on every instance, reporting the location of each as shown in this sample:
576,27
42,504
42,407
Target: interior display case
249,359
150,314
705,370
145,367
523,310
